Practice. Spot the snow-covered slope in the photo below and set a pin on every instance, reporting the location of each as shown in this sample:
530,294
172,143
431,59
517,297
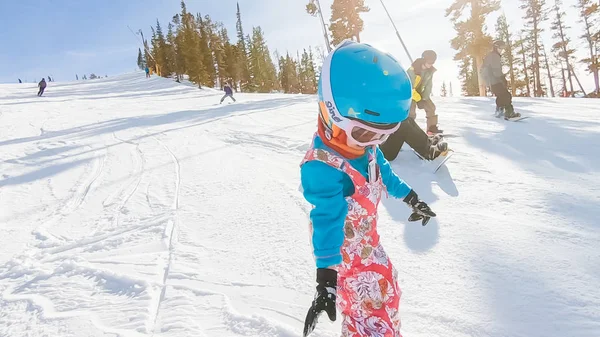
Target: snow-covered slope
137,207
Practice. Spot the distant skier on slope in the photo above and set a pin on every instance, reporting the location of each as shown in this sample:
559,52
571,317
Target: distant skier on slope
421,76
147,70
496,80
344,175
42,86
228,93
429,147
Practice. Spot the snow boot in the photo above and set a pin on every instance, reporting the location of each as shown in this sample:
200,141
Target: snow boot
509,113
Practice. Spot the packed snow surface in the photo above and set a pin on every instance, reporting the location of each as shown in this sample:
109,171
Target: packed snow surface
141,207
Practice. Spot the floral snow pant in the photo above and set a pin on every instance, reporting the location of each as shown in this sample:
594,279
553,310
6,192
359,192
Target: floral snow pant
368,295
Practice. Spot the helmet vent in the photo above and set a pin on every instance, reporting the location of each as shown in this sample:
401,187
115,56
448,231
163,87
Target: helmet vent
372,113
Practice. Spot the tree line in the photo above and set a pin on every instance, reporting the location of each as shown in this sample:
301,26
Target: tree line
200,48
531,64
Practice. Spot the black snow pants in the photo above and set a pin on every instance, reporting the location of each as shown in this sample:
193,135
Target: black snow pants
503,97
41,91
409,132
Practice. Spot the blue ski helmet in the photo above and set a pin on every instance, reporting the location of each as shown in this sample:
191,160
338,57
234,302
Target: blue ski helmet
363,83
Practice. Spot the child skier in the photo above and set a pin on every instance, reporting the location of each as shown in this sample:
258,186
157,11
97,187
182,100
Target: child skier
495,78
421,76
228,93
364,94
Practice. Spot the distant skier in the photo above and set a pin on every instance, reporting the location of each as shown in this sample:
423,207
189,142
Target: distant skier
496,80
147,70
228,93
20,81
344,176
428,147
42,86
421,76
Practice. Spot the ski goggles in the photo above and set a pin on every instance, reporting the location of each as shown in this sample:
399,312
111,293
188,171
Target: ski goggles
359,133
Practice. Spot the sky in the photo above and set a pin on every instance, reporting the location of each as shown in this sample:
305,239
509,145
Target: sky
62,38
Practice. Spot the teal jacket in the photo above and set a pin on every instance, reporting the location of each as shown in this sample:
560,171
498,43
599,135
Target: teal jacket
326,188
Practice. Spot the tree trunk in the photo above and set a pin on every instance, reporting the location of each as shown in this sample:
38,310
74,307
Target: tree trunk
564,81
482,88
548,70
577,79
526,75
536,64
593,60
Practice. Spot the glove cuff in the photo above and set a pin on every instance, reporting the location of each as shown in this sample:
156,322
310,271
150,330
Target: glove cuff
412,198
327,276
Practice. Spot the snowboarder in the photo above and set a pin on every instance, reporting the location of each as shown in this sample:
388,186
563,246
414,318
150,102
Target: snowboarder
344,175
228,93
42,86
429,147
421,76
496,80
147,70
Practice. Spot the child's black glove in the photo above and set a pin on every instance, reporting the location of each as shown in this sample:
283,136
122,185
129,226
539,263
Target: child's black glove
421,210
324,299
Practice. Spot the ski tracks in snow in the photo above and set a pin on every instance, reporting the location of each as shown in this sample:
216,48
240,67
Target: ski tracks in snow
169,239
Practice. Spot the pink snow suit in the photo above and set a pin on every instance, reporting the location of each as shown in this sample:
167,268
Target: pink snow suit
368,294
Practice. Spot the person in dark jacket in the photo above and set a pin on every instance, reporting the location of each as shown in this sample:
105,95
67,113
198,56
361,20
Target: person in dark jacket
421,76
228,93
428,147
42,86
496,80
147,70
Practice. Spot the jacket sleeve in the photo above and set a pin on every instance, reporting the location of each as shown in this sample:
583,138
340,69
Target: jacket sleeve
323,188
396,187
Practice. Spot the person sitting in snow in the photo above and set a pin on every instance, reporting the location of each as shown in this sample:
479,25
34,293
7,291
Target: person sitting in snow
427,146
42,86
496,80
343,176
228,93
421,76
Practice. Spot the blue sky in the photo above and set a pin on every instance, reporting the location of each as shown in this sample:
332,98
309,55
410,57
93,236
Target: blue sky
67,37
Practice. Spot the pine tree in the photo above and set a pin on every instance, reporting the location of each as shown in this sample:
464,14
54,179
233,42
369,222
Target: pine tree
231,60
190,47
503,33
204,35
561,46
444,91
159,50
263,70
345,22
171,52
242,59
589,12
140,59
472,42
522,51
217,46
535,15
